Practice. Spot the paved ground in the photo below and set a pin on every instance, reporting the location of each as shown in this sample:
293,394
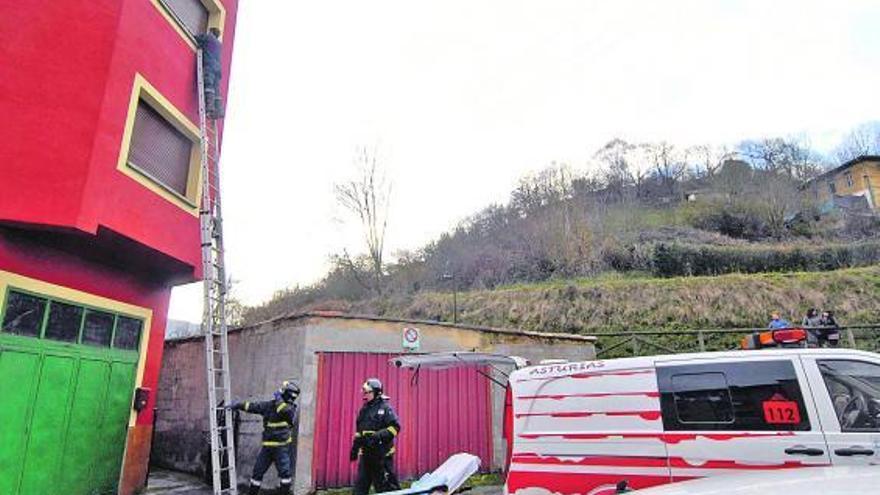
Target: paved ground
163,482
169,482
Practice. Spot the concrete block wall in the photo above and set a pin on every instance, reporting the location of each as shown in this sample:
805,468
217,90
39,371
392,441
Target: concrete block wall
181,408
260,359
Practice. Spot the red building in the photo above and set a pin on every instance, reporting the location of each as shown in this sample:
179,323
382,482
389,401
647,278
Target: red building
100,178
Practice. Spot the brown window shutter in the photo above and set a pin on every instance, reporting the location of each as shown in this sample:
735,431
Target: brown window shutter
191,14
159,149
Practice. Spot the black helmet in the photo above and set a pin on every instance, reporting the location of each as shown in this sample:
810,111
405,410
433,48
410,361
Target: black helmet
373,385
289,390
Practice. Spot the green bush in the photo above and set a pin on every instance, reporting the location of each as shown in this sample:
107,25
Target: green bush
738,222
673,260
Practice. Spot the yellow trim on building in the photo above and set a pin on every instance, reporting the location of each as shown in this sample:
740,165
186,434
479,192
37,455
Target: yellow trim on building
144,91
9,279
216,19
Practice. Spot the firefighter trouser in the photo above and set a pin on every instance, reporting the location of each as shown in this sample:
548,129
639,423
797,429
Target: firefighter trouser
376,471
213,102
280,456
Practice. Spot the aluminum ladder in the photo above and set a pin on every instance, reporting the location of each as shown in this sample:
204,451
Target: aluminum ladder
214,315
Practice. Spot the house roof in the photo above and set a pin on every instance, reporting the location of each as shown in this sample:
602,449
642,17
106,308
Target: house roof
844,166
292,317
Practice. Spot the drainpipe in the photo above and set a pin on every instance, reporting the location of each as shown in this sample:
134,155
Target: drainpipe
870,192
152,443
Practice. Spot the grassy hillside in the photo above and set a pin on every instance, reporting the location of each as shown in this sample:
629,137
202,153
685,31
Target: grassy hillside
626,303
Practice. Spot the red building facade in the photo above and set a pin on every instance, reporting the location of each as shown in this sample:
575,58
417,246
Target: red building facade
99,170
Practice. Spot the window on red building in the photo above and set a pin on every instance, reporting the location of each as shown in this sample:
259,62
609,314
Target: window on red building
159,150
30,315
128,333
23,314
64,322
192,14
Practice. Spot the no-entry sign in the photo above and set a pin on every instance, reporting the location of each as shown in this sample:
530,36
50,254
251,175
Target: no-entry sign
411,338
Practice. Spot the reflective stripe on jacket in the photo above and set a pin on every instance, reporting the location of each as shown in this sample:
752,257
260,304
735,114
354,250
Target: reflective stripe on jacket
278,420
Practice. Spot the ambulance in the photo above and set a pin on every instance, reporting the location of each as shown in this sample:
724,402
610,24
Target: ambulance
607,426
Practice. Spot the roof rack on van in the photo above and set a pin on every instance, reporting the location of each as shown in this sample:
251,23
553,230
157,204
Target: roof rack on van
792,337
782,337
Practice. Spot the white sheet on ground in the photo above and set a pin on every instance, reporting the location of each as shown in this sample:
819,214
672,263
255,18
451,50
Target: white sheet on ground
447,478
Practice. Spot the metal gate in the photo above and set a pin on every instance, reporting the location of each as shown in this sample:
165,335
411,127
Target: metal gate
441,413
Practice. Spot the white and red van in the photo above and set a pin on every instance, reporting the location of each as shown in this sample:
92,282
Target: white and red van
582,428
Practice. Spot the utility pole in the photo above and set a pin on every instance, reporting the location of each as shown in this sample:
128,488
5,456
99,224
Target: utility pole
450,275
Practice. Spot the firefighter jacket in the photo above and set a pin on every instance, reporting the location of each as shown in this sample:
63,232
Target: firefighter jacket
211,51
377,426
278,420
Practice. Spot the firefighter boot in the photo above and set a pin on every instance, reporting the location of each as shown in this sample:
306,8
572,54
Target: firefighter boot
209,98
253,489
218,112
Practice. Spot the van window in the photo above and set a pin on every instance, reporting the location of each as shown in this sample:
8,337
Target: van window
854,388
702,398
755,395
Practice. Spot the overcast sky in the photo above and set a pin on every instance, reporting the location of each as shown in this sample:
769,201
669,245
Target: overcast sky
463,97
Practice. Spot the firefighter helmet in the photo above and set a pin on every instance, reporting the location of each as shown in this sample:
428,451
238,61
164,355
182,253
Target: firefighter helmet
289,390
373,385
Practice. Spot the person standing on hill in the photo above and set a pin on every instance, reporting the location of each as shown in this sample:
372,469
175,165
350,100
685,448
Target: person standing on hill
777,322
830,333
812,318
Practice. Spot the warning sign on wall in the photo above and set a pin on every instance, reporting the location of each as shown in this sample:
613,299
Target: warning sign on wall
411,338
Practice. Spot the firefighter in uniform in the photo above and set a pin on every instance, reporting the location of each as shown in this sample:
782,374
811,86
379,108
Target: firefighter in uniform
212,71
279,416
373,445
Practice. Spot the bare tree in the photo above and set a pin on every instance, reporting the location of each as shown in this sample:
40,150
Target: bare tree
545,188
620,168
668,163
777,198
862,140
367,196
790,156
707,159
234,307
734,179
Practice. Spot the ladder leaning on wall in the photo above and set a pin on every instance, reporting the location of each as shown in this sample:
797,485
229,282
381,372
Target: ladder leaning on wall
215,289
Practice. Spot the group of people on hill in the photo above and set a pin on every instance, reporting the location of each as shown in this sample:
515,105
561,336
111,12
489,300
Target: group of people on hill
822,328
811,320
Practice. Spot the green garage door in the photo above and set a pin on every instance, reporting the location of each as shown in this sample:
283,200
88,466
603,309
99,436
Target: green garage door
66,380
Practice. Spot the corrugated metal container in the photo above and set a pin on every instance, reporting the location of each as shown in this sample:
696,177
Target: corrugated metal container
441,413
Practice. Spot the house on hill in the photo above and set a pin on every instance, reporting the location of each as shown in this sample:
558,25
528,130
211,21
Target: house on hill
850,187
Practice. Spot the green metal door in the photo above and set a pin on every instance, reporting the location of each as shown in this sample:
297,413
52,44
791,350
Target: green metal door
47,425
66,395
63,423
18,372
110,442
84,426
